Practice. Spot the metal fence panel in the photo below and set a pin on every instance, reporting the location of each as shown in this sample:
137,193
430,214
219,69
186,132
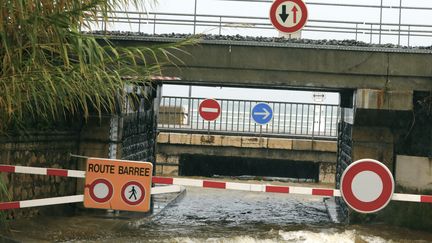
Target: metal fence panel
180,114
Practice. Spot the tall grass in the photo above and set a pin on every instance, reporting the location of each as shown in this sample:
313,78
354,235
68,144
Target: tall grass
50,70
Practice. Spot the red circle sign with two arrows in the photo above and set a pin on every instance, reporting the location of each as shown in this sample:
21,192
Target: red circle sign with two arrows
288,16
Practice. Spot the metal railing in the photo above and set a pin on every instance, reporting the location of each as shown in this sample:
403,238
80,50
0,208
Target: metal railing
180,114
367,31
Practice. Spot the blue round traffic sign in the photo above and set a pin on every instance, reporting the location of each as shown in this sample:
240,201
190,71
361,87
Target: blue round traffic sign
262,113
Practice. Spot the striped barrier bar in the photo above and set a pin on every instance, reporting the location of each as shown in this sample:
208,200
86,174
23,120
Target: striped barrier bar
214,184
246,186
42,171
276,189
74,199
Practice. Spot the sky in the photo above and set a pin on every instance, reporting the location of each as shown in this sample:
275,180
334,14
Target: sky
256,8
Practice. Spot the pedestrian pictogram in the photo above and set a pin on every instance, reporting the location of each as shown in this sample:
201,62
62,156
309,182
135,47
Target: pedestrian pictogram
288,16
133,193
367,185
209,109
262,113
117,184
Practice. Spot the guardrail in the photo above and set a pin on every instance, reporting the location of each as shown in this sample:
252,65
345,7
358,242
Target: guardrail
180,114
372,31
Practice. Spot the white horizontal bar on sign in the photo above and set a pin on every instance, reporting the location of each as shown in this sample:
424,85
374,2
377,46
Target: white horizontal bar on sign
300,190
51,201
166,189
406,197
30,170
188,182
76,173
211,110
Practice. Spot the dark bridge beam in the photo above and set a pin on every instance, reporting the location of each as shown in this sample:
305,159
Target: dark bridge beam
303,67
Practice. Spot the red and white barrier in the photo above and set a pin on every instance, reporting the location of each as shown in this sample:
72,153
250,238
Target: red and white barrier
42,171
246,186
74,199
412,198
177,182
277,189
41,202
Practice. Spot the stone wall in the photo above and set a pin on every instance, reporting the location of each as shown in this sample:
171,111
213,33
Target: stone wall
139,129
344,158
49,150
135,140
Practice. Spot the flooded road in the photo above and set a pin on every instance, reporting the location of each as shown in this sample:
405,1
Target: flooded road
212,215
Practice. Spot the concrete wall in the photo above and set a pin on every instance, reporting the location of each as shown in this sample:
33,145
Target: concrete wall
172,145
396,129
414,173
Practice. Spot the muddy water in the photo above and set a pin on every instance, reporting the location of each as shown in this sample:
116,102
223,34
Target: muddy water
211,215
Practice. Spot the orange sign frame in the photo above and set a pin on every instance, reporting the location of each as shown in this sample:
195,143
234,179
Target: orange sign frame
118,184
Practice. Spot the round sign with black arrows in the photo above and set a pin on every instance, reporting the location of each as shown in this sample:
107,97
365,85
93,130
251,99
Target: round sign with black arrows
288,16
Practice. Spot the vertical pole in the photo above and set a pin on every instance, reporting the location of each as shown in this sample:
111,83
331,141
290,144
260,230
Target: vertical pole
400,21
189,105
381,10
244,115
371,30
208,125
409,33
154,24
313,124
220,25
195,13
356,32
139,23
260,133
105,25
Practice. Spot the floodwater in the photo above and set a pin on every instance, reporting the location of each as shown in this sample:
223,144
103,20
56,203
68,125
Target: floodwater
212,215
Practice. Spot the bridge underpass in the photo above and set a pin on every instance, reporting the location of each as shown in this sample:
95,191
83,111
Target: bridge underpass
299,143
385,92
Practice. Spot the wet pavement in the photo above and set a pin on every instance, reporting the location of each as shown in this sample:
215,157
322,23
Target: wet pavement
212,215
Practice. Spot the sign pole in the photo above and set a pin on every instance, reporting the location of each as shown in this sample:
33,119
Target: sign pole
260,132
208,128
262,114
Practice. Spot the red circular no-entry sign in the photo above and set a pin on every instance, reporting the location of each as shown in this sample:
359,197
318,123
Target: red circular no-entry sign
367,185
100,190
288,16
209,109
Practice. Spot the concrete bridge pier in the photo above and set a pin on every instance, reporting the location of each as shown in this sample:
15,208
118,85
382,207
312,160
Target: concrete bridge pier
394,127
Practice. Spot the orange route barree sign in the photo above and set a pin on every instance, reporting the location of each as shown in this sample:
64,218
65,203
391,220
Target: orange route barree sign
118,184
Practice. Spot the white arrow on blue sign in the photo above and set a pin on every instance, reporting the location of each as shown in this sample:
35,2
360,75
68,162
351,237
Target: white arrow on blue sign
262,113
